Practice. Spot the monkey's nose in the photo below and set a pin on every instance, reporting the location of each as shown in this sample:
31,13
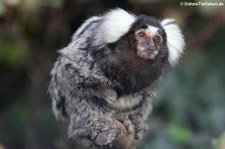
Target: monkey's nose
151,46
149,43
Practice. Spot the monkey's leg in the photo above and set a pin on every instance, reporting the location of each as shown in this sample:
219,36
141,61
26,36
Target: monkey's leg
140,126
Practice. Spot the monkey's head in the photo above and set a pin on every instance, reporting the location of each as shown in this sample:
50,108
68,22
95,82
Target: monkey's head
148,37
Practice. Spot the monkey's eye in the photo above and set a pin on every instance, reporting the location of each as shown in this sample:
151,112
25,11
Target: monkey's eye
141,34
157,39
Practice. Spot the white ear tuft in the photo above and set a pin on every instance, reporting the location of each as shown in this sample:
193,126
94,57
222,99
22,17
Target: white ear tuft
115,24
175,40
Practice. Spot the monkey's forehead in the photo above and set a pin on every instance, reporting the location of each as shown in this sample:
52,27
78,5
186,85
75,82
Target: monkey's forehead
147,22
147,28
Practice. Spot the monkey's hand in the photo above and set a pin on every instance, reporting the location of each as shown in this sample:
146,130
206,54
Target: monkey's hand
103,130
124,119
109,132
134,124
140,126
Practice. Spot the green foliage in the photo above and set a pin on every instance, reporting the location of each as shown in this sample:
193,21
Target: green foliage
34,5
2,8
179,133
12,52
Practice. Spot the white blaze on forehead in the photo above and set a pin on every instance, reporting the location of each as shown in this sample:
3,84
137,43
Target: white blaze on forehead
152,29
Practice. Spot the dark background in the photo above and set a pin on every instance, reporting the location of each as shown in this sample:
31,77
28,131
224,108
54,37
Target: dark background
189,111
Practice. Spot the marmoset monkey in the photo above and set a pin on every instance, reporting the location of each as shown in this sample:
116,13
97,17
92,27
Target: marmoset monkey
111,70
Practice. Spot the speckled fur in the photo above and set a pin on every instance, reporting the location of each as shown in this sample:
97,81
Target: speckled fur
93,78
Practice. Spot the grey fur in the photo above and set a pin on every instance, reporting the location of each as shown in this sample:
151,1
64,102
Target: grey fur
81,92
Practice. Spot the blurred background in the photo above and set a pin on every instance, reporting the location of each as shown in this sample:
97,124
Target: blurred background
189,111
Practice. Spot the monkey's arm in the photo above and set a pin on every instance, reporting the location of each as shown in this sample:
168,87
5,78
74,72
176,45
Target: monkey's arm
69,80
88,122
81,100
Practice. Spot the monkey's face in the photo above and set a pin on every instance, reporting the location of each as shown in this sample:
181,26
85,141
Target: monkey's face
149,41
150,38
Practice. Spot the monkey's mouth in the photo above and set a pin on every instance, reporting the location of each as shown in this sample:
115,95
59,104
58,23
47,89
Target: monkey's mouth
152,54
147,54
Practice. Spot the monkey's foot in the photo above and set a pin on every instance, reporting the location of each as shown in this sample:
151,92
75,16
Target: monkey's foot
140,126
124,119
103,131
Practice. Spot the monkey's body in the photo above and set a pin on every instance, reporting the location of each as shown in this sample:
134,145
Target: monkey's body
101,76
